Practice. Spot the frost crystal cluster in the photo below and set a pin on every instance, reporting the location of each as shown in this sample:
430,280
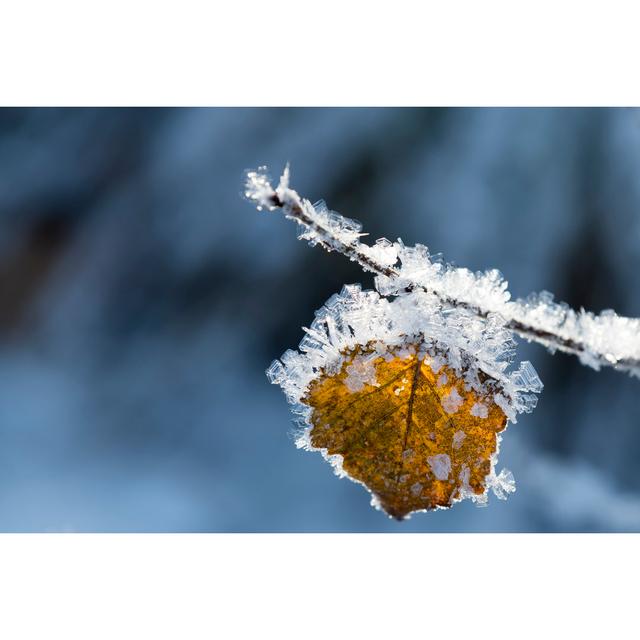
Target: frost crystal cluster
452,337
598,340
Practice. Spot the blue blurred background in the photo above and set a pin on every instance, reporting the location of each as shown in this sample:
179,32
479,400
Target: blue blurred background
141,299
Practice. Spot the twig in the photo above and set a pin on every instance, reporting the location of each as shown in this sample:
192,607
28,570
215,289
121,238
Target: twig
583,334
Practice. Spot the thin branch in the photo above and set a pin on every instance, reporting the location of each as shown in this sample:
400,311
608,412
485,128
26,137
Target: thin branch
597,340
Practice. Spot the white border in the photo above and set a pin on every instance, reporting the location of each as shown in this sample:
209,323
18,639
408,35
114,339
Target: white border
318,586
287,52
329,53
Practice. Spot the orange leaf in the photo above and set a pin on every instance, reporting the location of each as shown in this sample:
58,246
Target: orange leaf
407,426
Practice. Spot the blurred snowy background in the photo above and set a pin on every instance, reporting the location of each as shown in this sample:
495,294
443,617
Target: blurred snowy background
141,299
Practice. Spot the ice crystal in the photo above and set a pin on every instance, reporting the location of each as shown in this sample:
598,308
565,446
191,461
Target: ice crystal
360,373
480,410
458,437
319,225
440,465
453,401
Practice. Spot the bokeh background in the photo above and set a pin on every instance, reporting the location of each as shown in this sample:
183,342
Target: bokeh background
141,299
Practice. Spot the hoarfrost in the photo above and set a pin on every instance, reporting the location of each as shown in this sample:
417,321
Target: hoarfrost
360,372
319,225
479,410
391,328
436,363
464,476
503,484
440,465
383,252
452,402
458,438
603,339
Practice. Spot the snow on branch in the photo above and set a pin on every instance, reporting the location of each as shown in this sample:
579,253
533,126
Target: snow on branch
606,339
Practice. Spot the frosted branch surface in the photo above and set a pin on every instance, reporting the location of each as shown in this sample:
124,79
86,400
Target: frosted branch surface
606,339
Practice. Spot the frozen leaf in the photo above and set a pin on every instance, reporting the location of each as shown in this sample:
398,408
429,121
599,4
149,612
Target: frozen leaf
406,398
401,435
